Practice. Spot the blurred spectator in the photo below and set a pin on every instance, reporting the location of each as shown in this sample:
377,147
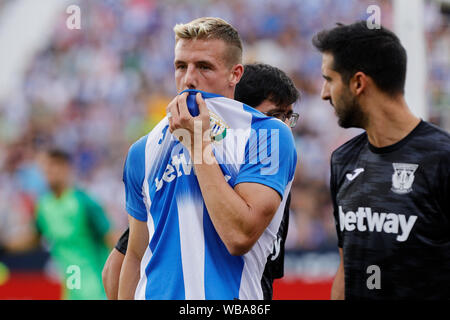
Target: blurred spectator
21,184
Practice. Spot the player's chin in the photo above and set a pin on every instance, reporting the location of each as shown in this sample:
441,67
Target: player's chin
352,120
344,124
345,120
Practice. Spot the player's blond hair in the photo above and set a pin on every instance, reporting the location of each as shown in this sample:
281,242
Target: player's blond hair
208,28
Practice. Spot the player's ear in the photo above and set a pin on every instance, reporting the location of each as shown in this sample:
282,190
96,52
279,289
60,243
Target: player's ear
236,74
358,83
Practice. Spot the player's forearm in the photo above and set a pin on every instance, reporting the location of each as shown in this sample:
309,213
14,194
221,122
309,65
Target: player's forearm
129,276
229,213
111,274
338,287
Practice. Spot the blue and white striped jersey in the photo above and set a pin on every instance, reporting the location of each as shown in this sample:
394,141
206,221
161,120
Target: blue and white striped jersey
185,257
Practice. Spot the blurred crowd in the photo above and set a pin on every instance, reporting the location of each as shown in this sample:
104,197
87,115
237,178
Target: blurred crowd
94,91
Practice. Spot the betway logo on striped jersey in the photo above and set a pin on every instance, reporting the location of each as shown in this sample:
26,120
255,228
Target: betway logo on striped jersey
176,168
364,219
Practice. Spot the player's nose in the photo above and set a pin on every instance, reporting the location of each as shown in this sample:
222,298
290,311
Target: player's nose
325,92
190,79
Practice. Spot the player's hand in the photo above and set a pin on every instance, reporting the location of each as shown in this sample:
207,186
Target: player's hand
192,132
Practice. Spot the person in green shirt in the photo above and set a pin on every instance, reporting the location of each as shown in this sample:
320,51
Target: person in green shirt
76,229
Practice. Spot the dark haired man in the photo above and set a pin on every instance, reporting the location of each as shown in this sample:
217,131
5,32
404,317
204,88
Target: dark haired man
272,92
389,185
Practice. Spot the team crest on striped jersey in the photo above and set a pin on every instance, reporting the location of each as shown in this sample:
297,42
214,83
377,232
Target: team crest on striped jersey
218,127
403,177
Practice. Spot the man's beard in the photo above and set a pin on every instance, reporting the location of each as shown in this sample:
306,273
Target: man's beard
349,112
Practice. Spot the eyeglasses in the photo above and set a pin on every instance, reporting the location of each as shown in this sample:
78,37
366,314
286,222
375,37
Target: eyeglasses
291,117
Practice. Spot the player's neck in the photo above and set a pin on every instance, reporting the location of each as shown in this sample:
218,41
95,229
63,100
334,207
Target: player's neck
389,121
59,190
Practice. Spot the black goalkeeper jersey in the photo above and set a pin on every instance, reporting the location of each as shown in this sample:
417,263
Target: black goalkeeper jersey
392,214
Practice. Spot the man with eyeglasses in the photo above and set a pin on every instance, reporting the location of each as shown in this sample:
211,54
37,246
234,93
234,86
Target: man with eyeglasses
289,117
273,93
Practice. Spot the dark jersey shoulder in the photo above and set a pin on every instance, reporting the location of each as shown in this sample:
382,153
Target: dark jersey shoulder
431,140
428,142
429,135
441,135
348,151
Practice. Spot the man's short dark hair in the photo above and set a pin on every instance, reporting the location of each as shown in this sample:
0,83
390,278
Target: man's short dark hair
59,155
260,82
376,52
